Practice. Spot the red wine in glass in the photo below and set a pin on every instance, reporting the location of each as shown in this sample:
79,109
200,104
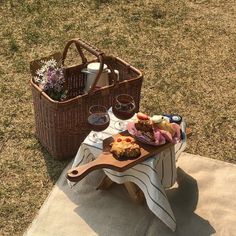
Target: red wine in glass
98,120
123,108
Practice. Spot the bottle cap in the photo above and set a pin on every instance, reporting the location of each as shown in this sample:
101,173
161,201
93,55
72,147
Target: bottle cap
176,119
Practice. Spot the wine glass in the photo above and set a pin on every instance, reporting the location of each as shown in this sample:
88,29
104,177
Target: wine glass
123,108
98,120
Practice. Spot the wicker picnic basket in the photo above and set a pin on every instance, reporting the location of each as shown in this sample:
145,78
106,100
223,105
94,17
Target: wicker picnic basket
62,126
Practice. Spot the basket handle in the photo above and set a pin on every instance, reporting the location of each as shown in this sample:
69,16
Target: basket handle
80,44
93,50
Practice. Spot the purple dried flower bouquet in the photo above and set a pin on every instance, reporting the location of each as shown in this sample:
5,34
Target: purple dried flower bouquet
50,79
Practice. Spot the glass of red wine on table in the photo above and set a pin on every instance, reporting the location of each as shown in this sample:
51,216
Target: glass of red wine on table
123,108
98,120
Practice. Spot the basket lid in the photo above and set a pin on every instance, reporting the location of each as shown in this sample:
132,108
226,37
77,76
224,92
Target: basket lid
94,67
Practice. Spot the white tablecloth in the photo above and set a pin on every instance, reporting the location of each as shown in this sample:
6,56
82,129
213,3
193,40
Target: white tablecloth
152,176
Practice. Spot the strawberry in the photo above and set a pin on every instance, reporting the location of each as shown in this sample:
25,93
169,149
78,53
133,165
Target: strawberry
142,116
128,140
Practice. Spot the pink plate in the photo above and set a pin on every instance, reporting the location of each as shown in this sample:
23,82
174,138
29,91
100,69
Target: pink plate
138,135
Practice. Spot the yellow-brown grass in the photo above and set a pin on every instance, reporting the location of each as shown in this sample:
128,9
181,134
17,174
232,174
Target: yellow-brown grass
185,48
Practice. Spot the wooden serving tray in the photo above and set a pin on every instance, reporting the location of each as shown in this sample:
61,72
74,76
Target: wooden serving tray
107,160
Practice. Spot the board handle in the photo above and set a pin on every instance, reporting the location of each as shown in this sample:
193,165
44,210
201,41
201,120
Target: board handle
78,173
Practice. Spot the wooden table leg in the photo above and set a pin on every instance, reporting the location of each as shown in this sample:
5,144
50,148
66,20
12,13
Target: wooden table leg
105,184
135,193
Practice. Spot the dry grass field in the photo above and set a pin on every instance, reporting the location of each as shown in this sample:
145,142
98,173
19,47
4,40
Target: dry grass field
185,48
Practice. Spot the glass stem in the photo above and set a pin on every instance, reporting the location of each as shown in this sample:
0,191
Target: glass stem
121,125
96,137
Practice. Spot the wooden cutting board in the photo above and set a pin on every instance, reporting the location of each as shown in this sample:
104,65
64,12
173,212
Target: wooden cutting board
107,160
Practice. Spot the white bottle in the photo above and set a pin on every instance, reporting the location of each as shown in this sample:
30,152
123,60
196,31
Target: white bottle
92,71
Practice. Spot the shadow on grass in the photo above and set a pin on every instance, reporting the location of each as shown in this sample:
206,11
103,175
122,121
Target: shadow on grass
54,167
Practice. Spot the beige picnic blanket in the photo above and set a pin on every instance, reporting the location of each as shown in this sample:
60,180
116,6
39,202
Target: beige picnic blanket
204,204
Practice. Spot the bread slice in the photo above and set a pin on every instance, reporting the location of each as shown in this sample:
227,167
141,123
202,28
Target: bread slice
125,148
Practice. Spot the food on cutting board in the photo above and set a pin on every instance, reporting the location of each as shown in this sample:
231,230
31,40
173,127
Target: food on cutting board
125,148
144,125
159,122
157,129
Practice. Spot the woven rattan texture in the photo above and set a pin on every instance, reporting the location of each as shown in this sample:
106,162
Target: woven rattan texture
62,126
